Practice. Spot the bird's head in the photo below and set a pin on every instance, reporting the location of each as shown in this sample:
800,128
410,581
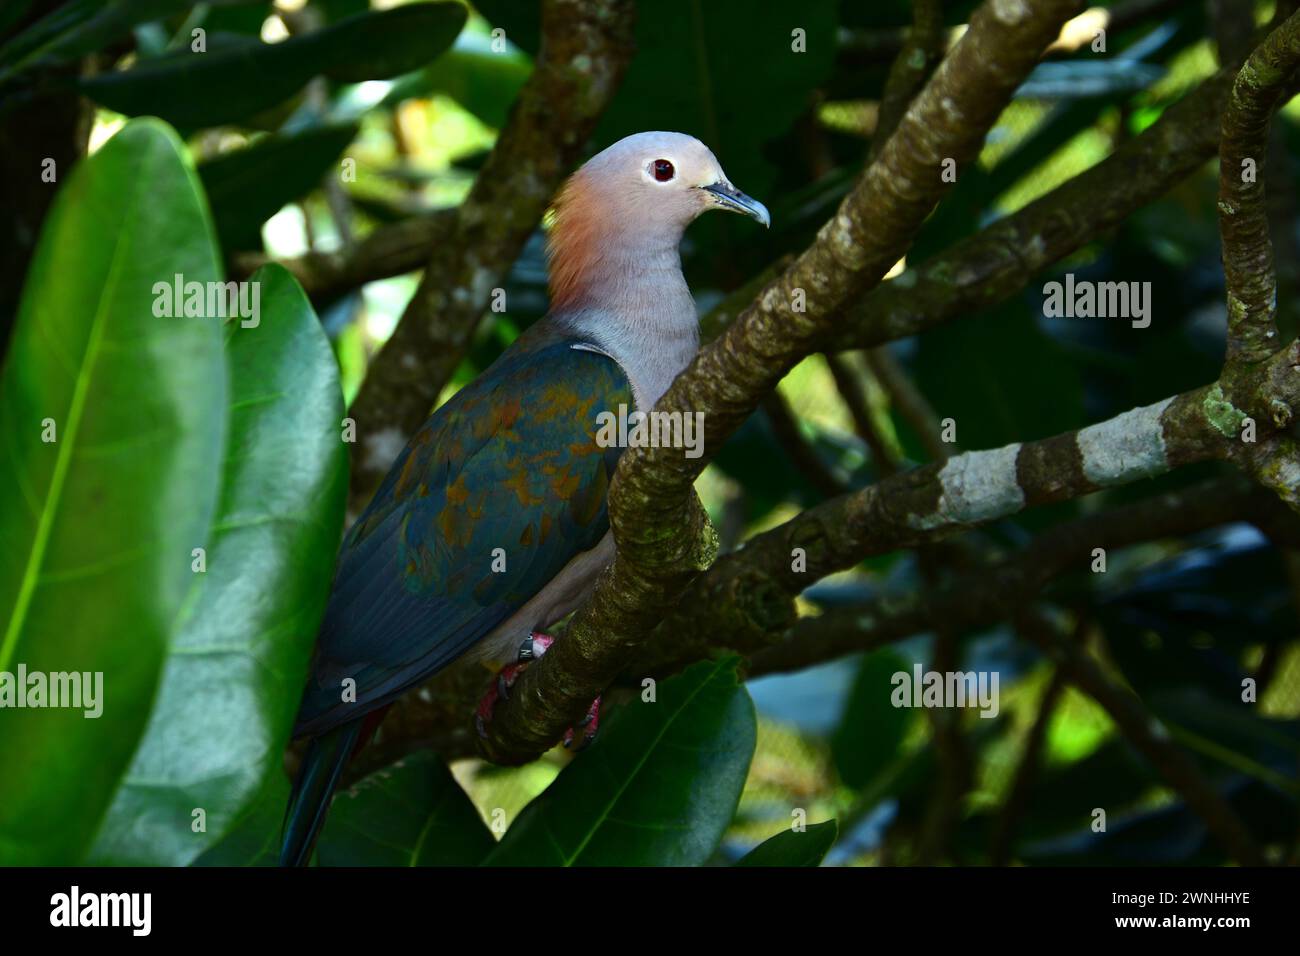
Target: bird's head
642,192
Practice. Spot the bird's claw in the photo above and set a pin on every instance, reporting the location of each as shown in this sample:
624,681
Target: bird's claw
533,647
589,725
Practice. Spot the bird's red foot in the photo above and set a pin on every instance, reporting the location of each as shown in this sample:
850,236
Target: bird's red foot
533,647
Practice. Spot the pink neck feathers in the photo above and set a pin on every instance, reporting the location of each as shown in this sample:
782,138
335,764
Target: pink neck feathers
577,237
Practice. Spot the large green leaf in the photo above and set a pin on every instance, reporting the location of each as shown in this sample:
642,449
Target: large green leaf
658,788
248,186
238,16
78,28
254,840
793,848
234,675
410,814
98,526
869,738
240,76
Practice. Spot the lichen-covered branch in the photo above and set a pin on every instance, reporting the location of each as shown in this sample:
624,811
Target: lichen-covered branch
749,594
1262,84
586,45
1243,220
663,535
985,595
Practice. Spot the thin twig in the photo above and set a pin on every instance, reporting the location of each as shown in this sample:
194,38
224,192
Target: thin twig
1150,737
1026,772
854,396
806,459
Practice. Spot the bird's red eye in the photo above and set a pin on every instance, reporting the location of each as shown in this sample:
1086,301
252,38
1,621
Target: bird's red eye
663,170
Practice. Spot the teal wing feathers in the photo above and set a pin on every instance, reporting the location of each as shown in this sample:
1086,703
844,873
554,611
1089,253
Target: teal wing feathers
501,488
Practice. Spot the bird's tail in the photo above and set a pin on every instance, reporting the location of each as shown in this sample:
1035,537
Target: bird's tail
326,757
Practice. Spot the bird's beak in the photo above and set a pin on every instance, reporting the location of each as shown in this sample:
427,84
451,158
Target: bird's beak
728,197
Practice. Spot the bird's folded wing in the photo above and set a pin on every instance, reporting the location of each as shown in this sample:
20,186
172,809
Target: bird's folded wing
500,489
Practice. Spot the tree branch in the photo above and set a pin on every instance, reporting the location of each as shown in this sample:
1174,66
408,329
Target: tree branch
911,404
978,598
1017,801
1260,87
389,251
1243,218
995,263
750,592
921,50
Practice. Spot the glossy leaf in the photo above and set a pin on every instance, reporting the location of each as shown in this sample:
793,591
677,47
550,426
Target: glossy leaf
241,76
333,10
99,524
413,813
248,186
235,672
658,787
240,16
254,840
791,848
